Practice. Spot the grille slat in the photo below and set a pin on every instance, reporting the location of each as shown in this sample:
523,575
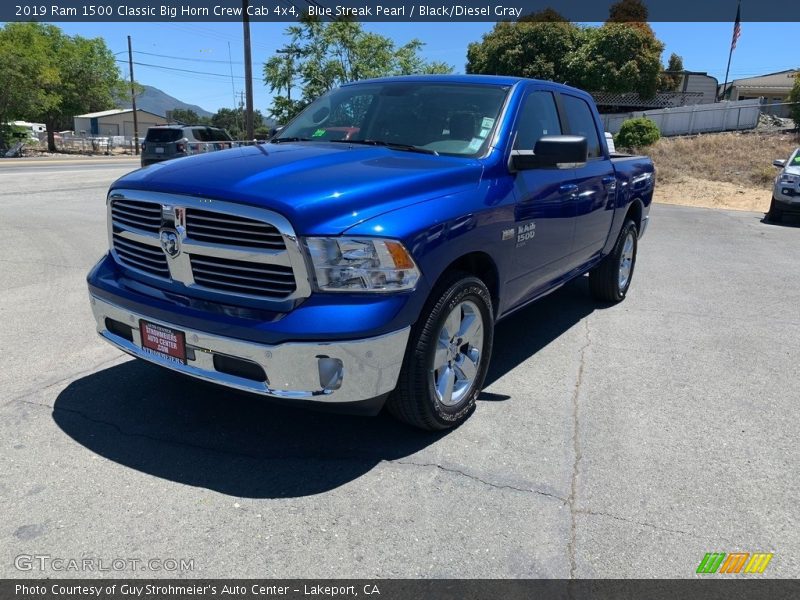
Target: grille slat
142,215
141,256
207,226
138,247
206,274
241,271
249,288
243,277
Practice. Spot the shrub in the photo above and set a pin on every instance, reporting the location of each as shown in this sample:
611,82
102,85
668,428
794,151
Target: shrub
637,133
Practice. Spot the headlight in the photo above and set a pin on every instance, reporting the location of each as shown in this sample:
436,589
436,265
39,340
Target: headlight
361,264
790,179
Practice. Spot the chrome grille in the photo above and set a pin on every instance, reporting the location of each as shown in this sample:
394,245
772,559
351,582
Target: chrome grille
216,228
242,276
144,257
222,247
140,215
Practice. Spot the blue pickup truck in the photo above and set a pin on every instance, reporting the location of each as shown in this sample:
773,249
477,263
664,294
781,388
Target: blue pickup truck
362,257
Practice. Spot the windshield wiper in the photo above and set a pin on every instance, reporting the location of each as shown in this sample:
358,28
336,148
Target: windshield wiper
392,145
290,139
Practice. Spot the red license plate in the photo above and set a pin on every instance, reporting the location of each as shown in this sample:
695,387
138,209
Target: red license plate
163,341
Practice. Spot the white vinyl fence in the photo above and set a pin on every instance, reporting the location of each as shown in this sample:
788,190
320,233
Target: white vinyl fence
699,118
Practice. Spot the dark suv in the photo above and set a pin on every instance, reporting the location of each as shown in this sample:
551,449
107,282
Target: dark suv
173,141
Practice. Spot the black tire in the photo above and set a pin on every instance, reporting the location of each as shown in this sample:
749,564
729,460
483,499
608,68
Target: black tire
415,401
604,279
775,214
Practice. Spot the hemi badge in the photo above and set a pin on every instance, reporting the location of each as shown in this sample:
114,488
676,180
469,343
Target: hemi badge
508,234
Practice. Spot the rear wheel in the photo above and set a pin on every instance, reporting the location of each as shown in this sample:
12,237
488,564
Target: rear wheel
610,280
447,357
775,214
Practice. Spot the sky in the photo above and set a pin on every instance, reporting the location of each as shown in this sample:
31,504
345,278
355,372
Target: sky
217,48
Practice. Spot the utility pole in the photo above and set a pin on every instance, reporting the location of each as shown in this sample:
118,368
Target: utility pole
248,73
133,101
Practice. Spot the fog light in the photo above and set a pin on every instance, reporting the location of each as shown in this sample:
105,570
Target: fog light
331,372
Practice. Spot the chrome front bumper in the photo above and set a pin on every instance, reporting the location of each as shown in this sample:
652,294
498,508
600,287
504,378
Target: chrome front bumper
330,372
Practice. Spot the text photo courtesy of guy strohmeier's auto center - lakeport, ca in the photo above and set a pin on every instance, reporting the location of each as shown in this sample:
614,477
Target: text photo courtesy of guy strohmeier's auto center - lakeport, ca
401,300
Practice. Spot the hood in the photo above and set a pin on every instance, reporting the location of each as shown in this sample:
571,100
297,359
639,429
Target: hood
792,170
322,188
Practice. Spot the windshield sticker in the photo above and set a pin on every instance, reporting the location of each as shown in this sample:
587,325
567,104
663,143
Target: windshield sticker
796,160
487,123
484,133
318,133
475,144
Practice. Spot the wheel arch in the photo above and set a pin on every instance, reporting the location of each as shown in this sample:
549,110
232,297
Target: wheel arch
481,265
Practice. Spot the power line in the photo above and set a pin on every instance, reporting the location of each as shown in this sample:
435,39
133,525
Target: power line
201,60
141,64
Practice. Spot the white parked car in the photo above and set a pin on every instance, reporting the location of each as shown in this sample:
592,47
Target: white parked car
786,192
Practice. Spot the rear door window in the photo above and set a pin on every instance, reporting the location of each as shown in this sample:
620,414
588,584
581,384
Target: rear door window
581,122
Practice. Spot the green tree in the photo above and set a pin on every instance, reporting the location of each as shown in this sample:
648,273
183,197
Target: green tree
323,55
27,73
535,48
671,79
232,119
794,96
187,116
618,58
87,78
621,56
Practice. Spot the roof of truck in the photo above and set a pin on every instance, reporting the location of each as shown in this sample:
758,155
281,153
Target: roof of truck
481,79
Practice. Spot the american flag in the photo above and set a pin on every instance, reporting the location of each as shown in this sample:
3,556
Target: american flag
737,27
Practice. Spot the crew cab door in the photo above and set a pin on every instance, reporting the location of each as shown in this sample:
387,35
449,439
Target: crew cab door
545,204
596,181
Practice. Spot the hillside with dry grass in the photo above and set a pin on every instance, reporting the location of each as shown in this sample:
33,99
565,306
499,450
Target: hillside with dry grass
723,170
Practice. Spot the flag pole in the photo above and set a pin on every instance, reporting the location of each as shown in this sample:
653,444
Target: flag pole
736,29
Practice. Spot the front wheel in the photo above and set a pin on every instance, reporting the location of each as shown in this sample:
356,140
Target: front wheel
448,356
775,214
609,281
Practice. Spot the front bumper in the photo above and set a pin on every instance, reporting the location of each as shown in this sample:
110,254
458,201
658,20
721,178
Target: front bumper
329,372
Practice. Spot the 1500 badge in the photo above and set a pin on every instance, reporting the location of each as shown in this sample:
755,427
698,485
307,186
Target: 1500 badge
525,232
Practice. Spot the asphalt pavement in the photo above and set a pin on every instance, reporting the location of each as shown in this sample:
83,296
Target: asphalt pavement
622,441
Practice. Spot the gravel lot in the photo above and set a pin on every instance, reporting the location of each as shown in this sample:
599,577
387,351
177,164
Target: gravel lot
621,441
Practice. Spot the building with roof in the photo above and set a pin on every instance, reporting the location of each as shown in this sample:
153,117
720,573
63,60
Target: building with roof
118,121
774,88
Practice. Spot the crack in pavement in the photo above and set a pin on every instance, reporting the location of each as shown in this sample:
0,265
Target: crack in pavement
572,500
497,486
593,513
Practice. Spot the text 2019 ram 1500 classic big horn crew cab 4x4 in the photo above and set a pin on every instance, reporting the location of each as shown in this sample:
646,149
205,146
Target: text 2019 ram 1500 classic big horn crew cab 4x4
363,256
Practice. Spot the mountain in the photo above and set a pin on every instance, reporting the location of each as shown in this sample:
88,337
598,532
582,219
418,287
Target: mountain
155,101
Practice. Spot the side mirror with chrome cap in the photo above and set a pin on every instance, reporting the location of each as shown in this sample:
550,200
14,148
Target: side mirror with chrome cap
551,151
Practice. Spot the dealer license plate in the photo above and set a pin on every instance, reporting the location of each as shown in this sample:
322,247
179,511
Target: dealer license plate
163,341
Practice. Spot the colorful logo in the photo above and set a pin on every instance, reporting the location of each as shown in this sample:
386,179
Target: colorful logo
736,562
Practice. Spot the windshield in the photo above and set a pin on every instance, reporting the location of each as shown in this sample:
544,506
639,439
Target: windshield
795,160
439,117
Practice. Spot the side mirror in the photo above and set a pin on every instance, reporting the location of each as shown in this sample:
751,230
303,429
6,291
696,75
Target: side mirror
275,131
779,163
551,151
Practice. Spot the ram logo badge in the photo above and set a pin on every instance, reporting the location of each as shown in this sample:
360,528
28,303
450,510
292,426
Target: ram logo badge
170,242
